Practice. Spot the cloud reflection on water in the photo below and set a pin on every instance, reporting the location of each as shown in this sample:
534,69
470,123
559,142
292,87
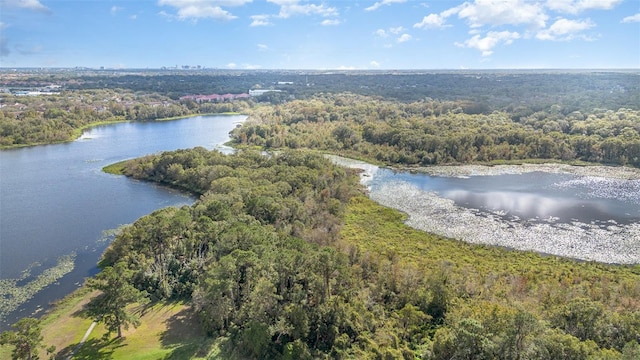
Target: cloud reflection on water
529,206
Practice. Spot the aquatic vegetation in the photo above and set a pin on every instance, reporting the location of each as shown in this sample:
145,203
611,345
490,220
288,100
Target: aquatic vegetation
605,172
429,212
605,241
627,190
13,293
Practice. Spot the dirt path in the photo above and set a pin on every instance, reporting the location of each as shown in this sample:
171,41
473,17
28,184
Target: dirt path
84,338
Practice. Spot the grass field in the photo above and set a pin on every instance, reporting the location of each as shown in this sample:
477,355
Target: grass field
168,330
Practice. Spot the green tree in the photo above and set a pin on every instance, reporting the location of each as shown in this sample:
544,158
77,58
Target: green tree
110,307
26,339
631,351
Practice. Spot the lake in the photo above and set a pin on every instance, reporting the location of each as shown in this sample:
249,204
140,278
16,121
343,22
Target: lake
584,217
56,203
535,196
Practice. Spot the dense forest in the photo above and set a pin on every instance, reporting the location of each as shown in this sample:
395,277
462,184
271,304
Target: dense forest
577,90
93,97
284,257
442,132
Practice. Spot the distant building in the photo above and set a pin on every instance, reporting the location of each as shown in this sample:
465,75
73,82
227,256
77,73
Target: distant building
261,92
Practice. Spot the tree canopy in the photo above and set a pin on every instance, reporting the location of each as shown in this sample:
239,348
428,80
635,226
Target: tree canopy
265,261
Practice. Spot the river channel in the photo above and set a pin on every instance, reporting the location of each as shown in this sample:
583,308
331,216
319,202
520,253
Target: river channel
56,203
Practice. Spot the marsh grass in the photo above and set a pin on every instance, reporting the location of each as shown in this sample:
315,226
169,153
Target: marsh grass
115,168
487,272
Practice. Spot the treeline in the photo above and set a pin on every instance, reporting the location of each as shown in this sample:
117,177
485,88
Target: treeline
264,261
495,90
442,132
28,120
95,96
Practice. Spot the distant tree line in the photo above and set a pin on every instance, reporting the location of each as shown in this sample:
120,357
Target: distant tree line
443,132
99,96
27,120
493,90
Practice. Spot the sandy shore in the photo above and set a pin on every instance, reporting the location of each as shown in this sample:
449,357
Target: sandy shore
607,242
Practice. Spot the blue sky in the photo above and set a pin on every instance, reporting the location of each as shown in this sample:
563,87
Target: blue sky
299,34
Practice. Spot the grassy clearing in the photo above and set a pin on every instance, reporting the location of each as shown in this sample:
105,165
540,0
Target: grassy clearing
62,325
168,330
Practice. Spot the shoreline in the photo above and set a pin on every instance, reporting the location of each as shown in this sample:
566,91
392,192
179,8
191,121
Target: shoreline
606,242
78,132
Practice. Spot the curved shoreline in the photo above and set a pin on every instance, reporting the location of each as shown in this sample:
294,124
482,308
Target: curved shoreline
78,132
607,242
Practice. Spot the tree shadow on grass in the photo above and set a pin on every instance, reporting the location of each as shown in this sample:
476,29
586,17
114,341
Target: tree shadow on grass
93,349
184,335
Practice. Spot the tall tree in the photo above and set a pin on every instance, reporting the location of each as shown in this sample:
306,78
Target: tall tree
26,339
110,307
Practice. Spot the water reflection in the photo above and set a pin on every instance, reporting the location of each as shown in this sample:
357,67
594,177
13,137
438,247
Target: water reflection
531,206
534,196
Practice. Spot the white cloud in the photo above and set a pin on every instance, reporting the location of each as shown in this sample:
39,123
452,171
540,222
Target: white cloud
576,6
564,29
632,18
34,5
374,64
381,33
379,4
404,38
199,9
116,9
431,21
260,20
344,67
491,40
531,17
232,65
290,8
502,12
396,30
263,47
330,22
392,30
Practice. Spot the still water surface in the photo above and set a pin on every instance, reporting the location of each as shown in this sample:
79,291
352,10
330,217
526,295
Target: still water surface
55,200
535,196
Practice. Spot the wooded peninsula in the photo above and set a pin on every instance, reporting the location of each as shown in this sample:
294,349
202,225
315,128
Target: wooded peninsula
283,255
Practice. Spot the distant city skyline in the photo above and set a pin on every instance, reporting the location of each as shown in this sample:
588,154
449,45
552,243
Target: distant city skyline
321,35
